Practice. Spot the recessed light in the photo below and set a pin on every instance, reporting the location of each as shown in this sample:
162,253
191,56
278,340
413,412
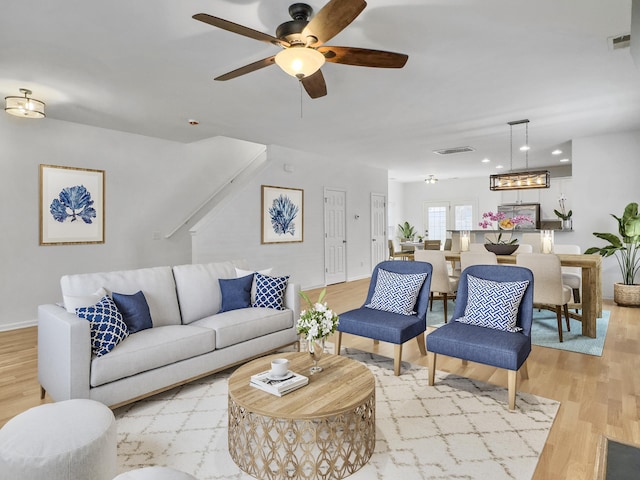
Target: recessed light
193,122
524,148
564,160
556,152
485,160
499,166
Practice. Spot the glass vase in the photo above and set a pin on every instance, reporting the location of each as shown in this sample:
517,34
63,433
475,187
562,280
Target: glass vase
316,349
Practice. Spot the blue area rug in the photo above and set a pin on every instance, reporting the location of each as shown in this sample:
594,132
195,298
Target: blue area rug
545,330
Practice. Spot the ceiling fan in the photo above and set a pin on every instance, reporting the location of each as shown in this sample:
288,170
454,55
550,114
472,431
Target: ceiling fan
302,40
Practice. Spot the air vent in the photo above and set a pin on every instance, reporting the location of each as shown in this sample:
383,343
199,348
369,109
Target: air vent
621,41
451,151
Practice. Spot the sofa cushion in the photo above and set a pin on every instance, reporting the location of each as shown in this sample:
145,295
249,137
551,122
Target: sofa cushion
106,325
236,292
149,349
242,273
71,302
198,288
156,283
245,324
134,310
270,291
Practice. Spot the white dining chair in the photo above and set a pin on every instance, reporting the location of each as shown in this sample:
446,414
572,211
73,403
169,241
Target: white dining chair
477,258
523,248
441,282
571,276
548,289
532,239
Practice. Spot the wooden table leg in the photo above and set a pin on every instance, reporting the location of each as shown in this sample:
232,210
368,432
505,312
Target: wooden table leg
589,301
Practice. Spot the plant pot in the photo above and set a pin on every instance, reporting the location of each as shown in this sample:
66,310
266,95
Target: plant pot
501,248
626,295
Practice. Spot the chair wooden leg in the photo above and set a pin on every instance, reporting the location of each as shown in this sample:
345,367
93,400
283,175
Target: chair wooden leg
524,372
43,392
376,342
421,345
444,295
397,359
431,302
465,362
566,316
338,343
432,367
512,382
559,317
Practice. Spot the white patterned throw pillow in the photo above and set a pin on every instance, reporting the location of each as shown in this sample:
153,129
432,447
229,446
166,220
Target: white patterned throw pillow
396,292
493,304
270,291
106,323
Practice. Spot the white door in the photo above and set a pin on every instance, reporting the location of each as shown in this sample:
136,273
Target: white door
379,249
335,238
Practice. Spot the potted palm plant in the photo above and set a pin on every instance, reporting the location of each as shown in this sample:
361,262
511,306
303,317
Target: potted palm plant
626,248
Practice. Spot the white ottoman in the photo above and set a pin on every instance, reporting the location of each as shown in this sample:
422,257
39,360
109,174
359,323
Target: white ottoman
155,473
70,440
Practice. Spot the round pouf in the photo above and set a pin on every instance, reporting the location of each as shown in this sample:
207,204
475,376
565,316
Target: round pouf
69,440
155,473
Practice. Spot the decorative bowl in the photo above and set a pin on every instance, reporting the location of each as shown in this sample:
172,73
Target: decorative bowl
501,248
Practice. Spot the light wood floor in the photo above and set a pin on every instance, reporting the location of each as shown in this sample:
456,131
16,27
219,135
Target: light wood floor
598,395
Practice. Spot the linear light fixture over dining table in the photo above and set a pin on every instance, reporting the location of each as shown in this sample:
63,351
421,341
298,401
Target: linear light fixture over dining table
520,180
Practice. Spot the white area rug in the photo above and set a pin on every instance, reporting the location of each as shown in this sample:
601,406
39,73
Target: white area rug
459,428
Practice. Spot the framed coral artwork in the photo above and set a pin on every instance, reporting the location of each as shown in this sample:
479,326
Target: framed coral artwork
71,205
282,214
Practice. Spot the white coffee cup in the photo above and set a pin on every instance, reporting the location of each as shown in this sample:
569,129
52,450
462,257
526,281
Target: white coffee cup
279,367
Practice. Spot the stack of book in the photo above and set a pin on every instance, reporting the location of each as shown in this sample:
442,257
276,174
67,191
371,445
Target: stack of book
278,385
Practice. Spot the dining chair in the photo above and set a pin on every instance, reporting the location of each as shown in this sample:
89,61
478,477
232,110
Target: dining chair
477,258
491,323
393,255
549,292
477,247
441,281
532,239
571,276
523,248
432,244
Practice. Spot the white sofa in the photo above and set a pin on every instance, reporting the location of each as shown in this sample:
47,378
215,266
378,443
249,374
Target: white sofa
189,338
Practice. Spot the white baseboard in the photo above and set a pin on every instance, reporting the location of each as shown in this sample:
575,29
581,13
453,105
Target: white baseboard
17,325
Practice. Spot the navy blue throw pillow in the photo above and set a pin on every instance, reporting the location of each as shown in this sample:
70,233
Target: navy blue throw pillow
236,293
135,311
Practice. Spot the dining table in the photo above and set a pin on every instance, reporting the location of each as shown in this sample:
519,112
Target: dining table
591,267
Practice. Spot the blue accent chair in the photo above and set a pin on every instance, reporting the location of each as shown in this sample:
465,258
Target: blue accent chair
388,326
489,346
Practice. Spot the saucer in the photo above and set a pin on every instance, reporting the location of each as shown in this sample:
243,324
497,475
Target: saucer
287,375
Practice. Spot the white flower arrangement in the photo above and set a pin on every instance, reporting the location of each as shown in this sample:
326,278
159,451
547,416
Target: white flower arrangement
318,321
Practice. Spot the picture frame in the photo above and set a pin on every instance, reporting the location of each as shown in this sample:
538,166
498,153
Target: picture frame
72,209
282,214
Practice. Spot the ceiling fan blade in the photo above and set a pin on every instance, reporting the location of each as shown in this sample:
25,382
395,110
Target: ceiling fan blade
363,57
239,29
332,19
315,85
252,67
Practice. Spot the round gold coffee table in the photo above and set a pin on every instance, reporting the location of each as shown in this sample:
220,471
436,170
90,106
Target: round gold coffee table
325,429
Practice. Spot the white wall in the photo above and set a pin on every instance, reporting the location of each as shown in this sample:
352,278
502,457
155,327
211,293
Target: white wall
605,176
234,230
151,185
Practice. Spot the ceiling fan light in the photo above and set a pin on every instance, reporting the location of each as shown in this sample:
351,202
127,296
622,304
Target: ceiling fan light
24,107
300,61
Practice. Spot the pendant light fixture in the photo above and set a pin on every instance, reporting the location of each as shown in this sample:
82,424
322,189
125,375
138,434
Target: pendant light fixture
520,180
25,107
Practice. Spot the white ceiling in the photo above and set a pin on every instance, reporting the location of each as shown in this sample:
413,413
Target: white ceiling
146,67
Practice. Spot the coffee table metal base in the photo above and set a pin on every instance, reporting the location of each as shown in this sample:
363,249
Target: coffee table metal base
328,448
